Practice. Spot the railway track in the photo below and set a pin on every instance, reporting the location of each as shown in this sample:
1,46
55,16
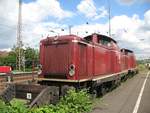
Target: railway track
16,78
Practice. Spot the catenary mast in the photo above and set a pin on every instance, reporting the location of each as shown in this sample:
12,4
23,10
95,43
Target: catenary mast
20,53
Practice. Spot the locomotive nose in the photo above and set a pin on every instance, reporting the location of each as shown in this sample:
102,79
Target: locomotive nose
72,70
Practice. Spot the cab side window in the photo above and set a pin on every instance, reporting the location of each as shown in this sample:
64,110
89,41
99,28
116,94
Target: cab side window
88,39
104,41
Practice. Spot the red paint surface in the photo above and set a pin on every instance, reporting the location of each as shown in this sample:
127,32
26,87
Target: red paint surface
5,69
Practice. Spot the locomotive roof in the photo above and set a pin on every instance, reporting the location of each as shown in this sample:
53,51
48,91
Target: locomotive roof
64,37
100,35
126,50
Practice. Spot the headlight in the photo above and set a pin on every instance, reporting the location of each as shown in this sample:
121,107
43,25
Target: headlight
40,69
72,70
39,72
40,66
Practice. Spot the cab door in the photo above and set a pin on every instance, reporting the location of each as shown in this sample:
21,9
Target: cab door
82,61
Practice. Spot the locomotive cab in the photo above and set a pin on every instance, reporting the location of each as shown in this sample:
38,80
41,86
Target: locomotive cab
106,54
102,40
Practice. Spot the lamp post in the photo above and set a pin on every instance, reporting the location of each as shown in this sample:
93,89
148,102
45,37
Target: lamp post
109,17
70,26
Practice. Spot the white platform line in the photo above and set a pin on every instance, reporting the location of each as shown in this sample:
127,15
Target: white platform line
136,107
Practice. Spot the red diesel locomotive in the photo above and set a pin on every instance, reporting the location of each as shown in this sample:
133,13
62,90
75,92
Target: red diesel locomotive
94,61
5,69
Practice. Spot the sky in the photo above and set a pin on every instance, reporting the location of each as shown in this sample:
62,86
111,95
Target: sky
130,21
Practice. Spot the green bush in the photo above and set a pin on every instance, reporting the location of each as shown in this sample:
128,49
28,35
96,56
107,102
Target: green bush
73,102
44,109
3,107
14,107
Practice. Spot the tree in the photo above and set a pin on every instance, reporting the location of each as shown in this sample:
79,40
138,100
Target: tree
9,60
31,57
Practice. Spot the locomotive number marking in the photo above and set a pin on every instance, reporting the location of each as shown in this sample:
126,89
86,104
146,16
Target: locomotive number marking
29,96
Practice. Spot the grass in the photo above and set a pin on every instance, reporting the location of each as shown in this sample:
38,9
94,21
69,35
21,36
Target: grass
97,101
142,68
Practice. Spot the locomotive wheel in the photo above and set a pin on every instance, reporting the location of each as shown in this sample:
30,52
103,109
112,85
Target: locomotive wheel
99,91
125,77
94,93
118,82
65,88
113,85
103,90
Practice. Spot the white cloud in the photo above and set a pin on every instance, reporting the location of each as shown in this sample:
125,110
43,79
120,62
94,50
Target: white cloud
8,15
84,29
33,34
135,33
147,18
8,11
38,10
88,8
103,13
33,15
